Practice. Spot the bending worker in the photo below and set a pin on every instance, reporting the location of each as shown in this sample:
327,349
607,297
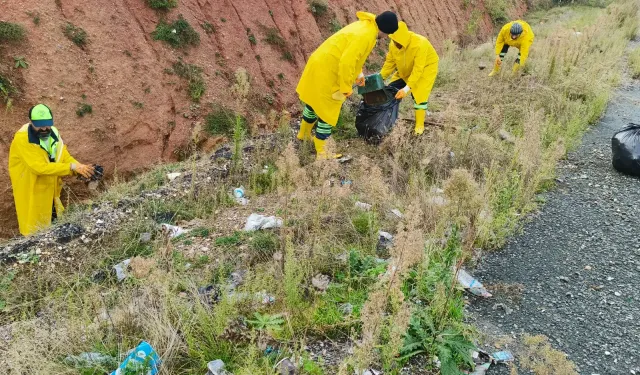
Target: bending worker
514,34
415,63
331,71
37,161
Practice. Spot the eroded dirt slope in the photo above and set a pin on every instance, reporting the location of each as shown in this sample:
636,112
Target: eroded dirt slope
142,115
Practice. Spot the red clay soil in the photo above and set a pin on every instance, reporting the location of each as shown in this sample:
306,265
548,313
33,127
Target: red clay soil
123,66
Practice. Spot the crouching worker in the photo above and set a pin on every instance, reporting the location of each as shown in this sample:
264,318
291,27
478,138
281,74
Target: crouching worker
514,34
331,71
415,63
37,161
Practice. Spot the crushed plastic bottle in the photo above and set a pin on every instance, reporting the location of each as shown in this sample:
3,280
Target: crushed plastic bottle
470,283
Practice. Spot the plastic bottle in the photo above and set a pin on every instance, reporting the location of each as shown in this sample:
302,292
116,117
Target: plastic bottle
238,192
469,282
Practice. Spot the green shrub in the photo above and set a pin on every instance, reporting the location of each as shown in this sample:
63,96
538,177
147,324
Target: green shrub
318,7
11,32
162,4
497,10
178,34
208,28
193,74
222,121
75,34
264,243
83,109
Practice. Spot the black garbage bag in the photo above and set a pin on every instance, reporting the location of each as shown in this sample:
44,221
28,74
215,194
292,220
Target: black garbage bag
625,146
377,114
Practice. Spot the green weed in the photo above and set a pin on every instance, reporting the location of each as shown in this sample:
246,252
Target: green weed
83,109
222,121
76,34
11,32
178,34
193,74
35,17
208,28
318,7
20,62
162,4
634,62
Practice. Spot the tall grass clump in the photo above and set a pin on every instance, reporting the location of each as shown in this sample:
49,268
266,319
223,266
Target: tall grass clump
11,32
178,34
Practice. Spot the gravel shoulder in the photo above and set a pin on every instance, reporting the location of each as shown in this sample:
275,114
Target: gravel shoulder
575,266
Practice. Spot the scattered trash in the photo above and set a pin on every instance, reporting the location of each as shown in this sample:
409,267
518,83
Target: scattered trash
397,213
504,307
345,159
173,176
142,358
209,294
121,269
506,136
320,282
437,201
216,368
385,239
84,360
371,372
474,286
363,206
346,308
242,201
145,237
236,278
67,232
502,357
286,367
98,172
265,298
256,222
481,369
345,182
238,192
173,231
625,146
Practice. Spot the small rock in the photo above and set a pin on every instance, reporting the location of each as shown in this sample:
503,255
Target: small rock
563,278
607,353
482,66
320,282
504,307
99,222
617,294
588,268
363,206
609,278
346,308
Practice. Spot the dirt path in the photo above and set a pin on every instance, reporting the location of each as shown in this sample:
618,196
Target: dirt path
578,259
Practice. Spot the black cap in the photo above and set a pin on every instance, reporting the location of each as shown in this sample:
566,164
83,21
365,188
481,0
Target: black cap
387,22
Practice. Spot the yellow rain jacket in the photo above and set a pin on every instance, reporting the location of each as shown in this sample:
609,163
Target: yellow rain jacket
416,62
523,42
333,67
36,181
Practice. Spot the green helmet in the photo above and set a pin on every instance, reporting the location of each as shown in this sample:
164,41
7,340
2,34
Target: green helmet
41,116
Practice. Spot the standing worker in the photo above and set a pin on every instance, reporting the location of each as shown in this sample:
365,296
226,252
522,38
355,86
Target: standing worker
331,71
37,161
415,63
514,34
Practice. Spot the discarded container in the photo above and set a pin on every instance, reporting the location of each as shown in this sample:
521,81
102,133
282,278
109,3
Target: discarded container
173,231
502,357
625,147
363,206
320,282
257,221
470,283
121,269
142,360
242,201
397,213
286,367
238,192
216,368
372,82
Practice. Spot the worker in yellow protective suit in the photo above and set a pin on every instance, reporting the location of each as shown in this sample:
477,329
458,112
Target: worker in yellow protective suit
331,71
514,34
37,160
415,63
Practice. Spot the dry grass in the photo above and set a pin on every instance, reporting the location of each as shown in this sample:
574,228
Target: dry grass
540,358
634,63
459,187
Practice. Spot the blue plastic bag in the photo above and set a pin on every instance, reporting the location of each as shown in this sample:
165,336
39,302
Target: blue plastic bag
142,358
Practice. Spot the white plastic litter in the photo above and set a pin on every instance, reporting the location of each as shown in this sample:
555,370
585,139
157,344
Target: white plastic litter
363,206
481,369
173,231
470,283
320,282
257,222
397,212
173,176
216,367
121,269
242,201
